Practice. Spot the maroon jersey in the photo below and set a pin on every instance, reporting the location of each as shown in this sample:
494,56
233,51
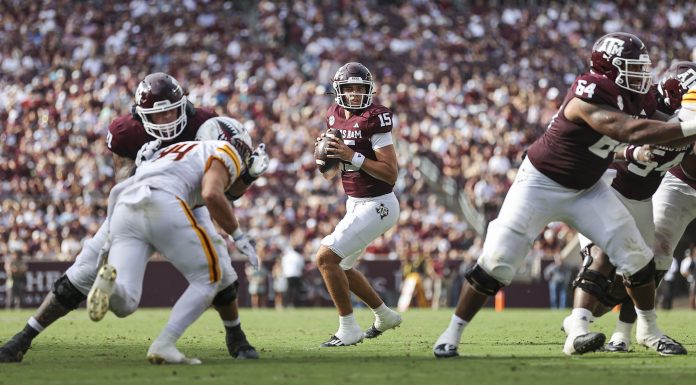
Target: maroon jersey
126,134
357,132
639,180
678,171
574,154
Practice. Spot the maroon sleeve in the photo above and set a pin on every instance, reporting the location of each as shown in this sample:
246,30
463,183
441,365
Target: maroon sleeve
380,120
596,89
125,137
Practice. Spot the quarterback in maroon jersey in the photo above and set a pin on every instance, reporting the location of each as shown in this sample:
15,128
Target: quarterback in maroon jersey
161,111
368,171
635,182
560,181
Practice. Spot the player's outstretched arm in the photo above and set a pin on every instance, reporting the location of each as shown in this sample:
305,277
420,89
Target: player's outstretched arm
213,185
624,128
385,168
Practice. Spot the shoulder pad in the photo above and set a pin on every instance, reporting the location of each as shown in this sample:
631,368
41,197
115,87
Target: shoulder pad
125,137
596,89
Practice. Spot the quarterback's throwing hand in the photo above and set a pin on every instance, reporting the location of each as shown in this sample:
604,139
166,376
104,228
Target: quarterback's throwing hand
338,149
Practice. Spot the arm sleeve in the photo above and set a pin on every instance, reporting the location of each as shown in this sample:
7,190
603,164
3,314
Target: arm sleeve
381,139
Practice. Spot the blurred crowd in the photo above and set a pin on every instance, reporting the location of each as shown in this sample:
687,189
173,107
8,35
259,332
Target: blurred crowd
471,86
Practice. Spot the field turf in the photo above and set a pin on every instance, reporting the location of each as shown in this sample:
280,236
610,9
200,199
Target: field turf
512,347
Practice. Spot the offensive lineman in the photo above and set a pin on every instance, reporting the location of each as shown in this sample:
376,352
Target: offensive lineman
560,181
635,183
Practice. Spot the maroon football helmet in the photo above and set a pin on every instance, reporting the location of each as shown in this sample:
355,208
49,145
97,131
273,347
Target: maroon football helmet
675,82
160,92
353,74
623,58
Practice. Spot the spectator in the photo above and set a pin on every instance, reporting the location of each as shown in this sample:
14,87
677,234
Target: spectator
293,267
688,271
15,279
558,277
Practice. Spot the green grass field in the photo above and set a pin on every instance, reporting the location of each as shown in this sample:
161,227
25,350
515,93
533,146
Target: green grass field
512,347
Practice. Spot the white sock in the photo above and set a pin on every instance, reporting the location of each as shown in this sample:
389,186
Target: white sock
647,323
580,321
347,326
231,324
453,333
188,308
34,324
381,311
623,328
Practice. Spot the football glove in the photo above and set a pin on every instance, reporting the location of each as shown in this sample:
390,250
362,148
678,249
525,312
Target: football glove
147,151
245,246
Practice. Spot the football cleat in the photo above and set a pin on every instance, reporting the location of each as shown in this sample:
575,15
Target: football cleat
99,294
240,348
664,345
15,349
445,351
166,353
584,343
374,331
616,347
335,341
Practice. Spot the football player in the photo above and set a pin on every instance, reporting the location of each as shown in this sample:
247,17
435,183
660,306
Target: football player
635,182
161,112
559,180
368,170
151,212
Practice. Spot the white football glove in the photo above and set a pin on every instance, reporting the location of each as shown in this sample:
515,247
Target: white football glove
244,245
258,163
147,151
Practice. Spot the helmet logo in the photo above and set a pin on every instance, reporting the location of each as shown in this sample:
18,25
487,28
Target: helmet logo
143,88
611,46
687,79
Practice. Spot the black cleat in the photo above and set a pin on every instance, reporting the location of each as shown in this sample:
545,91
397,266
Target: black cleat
240,348
372,332
445,351
15,349
616,347
666,346
589,342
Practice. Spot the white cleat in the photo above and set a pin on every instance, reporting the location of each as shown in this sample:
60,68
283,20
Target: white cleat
344,339
99,294
165,353
378,327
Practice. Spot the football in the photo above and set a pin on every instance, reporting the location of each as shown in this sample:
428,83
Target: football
325,163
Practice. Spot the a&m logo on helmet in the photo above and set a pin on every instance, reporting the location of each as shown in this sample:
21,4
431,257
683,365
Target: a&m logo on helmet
611,46
143,89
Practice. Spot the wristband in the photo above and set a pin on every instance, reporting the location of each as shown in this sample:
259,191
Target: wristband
688,128
358,160
237,234
247,178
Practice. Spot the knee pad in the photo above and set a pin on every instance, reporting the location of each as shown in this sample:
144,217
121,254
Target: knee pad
482,281
227,295
594,282
643,276
66,294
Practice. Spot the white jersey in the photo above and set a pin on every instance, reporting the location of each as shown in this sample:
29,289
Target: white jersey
179,168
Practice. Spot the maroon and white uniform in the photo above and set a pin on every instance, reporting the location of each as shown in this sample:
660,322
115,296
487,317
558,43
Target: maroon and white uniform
674,207
125,137
372,207
636,182
560,181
